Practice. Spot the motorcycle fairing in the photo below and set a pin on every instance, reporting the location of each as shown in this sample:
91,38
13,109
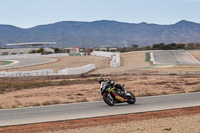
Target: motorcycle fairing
119,98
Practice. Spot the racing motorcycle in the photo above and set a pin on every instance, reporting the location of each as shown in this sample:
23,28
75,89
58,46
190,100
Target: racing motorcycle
115,94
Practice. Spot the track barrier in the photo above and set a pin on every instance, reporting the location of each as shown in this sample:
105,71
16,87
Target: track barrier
114,56
75,54
77,70
47,72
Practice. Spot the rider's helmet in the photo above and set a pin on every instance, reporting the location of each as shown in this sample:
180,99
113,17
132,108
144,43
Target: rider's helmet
112,83
101,78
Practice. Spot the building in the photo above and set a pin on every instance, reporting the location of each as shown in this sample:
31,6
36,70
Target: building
72,50
106,49
27,48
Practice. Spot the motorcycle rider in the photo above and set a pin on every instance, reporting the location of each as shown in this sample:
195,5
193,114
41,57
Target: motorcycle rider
110,82
114,93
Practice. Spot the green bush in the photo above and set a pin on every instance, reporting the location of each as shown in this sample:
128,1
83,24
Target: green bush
41,50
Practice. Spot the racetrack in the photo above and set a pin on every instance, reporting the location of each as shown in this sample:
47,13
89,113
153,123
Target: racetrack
5,62
95,109
24,62
174,57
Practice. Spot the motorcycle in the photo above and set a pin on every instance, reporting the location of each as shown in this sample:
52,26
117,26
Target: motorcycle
116,94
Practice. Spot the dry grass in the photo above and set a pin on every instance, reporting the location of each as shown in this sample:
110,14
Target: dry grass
9,86
35,91
197,89
87,89
14,85
52,102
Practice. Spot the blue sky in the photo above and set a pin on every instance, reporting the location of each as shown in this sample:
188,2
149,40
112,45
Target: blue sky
29,13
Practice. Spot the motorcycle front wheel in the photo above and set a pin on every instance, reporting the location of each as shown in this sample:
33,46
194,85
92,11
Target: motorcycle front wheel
108,99
131,98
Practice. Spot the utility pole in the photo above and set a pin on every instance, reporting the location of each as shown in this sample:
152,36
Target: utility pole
83,44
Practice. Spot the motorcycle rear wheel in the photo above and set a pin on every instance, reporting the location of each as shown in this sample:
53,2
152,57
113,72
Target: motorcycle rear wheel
131,98
108,99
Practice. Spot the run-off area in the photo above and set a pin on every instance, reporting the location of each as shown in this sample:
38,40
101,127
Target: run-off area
178,57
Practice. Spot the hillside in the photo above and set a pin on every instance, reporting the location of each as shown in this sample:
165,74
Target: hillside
103,33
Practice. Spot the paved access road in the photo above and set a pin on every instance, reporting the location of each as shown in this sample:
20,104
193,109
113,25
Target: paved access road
24,62
95,109
174,57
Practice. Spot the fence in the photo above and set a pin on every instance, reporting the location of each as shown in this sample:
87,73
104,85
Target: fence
77,70
47,72
44,72
114,56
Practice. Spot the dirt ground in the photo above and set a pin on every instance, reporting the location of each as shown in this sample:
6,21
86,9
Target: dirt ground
68,62
185,120
131,73
139,77
130,63
196,54
140,85
178,70
134,63
70,93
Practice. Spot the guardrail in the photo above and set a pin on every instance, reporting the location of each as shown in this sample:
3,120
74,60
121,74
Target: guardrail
47,72
77,70
114,56
152,58
44,72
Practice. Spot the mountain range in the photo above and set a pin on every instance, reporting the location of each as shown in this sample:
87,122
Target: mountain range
102,33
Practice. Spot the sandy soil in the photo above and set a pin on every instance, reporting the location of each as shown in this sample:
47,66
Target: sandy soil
68,62
70,93
177,124
130,62
196,54
141,85
179,69
78,92
176,121
134,63
181,124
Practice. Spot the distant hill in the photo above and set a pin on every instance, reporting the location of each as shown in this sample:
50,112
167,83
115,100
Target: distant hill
103,33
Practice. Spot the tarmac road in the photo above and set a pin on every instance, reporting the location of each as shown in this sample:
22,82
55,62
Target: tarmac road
174,57
24,62
95,109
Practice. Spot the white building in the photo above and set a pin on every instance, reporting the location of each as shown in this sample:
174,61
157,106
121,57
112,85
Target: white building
28,47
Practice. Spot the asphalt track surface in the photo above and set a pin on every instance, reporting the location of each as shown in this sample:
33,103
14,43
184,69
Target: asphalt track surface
174,57
24,62
74,111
